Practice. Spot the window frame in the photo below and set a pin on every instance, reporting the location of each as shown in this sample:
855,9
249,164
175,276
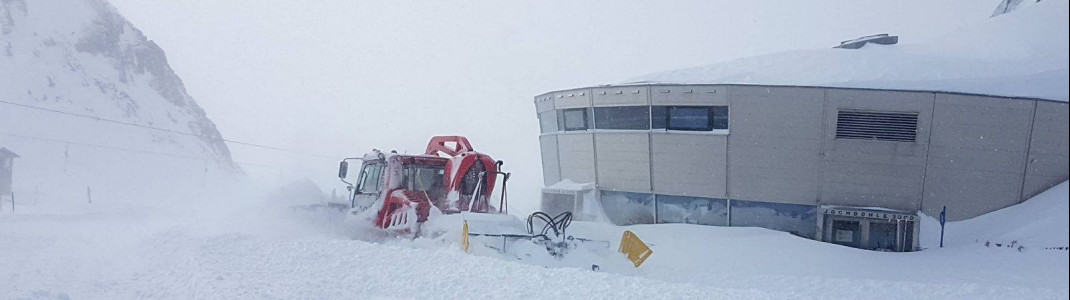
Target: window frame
646,124
361,189
563,124
664,121
412,171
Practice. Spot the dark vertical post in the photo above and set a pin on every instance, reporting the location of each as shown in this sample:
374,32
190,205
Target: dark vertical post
88,194
943,219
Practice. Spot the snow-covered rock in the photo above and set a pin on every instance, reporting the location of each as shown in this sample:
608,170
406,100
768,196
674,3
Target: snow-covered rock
1022,53
82,57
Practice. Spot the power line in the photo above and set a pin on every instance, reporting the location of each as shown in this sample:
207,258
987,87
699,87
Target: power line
220,138
138,151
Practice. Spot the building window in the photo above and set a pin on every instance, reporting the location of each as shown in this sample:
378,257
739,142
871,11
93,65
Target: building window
690,118
624,208
622,117
692,210
877,125
797,219
574,119
548,121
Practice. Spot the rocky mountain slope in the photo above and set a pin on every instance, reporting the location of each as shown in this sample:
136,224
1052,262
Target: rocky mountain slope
65,63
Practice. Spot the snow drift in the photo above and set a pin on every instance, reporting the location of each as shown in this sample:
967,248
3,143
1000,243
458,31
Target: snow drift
1036,224
1022,53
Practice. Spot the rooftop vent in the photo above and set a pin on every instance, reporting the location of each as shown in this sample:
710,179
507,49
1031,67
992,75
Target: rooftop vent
881,39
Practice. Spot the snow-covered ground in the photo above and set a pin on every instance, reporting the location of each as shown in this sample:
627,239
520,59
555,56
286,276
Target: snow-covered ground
252,248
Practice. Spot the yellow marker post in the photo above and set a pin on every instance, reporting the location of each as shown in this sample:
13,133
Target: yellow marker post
464,237
637,251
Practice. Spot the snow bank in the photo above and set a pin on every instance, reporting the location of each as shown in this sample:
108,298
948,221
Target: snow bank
1023,53
248,247
1040,222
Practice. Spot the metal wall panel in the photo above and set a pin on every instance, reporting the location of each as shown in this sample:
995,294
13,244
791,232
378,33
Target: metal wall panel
977,154
871,173
688,95
1048,158
623,161
548,147
689,164
774,149
782,148
572,98
620,96
576,157
544,103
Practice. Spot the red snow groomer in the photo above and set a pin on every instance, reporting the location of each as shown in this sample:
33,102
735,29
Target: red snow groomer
450,176
398,193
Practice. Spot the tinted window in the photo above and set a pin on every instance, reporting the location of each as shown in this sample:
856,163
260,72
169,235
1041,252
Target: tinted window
690,118
574,119
622,117
623,208
797,219
695,118
692,210
720,117
548,121
659,115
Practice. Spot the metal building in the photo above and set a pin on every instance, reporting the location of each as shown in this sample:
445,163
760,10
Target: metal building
850,166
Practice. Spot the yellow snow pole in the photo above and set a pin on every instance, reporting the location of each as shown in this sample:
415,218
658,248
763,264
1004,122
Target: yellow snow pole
464,237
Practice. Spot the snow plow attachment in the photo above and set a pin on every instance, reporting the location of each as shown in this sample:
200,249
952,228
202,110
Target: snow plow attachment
508,234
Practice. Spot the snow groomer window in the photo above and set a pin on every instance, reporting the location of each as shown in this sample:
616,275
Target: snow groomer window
690,118
574,119
622,117
369,182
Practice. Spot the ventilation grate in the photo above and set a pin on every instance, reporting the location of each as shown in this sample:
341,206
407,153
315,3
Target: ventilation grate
877,125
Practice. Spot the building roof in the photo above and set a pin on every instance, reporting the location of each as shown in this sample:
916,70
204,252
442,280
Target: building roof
1019,54
545,96
6,152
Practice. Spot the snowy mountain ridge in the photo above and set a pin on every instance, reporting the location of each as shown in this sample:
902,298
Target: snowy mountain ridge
1022,53
82,57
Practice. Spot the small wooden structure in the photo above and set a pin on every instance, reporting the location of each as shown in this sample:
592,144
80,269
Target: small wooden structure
7,161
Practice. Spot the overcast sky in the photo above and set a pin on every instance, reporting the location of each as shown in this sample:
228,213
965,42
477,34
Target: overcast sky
339,77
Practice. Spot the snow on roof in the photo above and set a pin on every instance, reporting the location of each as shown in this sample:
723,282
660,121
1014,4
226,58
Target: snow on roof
8,152
1018,54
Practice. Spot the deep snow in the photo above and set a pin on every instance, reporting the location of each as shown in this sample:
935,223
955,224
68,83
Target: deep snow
255,249
1022,53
